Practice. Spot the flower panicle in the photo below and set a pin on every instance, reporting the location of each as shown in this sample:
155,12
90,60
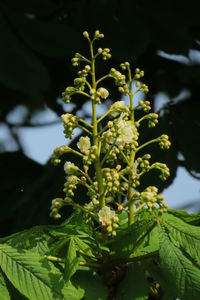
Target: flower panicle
110,167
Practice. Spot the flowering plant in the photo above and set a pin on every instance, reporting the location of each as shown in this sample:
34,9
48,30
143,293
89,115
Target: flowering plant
113,148
124,242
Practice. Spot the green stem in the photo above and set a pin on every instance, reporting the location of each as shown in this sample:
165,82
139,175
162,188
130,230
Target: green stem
132,154
54,258
95,130
85,59
77,153
103,129
87,186
89,264
83,93
84,129
146,144
102,78
86,175
143,118
125,157
88,84
124,178
140,207
84,122
103,116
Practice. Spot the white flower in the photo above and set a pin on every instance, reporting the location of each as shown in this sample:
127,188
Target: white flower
84,144
126,132
72,179
105,214
103,93
69,167
118,107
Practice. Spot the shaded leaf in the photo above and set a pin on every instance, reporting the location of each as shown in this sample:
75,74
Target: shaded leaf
32,6
135,285
34,276
48,38
180,272
193,219
129,239
92,284
186,235
71,261
3,288
19,68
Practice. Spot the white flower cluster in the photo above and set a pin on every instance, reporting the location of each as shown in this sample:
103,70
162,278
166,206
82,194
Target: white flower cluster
108,220
84,144
111,147
70,168
126,132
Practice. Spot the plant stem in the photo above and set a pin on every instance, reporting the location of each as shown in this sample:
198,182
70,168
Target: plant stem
84,122
103,116
83,93
132,155
95,129
102,78
140,207
54,258
146,144
84,129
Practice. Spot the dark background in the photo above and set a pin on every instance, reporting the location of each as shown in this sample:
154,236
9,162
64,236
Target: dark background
37,40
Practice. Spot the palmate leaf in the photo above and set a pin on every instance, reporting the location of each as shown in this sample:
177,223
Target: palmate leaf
4,294
180,272
129,239
35,239
186,235
192,219
71,261
34,276
135,285
91,282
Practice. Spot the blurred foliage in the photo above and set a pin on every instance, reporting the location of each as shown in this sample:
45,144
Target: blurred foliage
38,39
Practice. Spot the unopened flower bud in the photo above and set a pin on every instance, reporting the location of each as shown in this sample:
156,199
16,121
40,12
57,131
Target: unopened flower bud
86,34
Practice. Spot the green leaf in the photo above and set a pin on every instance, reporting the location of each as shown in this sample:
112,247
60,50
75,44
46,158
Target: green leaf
34,239
180,272
48,38
34,276
186,235
134,285
85,246
3,288
193,219
129,239
92,284
19,67
150,244
71,262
